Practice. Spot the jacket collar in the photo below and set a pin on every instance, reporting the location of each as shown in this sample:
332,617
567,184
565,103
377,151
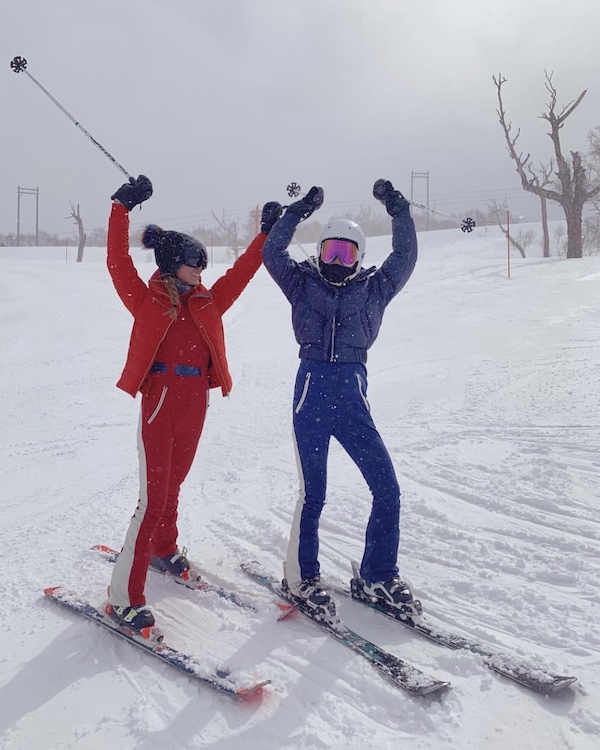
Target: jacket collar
156,286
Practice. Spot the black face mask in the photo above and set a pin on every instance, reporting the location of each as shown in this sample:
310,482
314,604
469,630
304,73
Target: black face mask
336,273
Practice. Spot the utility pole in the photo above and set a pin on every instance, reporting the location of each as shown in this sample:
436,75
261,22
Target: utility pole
425,176
256,216
28,191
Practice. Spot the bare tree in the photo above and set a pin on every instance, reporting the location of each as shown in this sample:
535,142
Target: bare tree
575,189
542,177
498,213
252,224
76,216
593,158
591,224
231,230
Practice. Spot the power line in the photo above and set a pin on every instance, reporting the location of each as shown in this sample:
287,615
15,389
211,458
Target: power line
205,220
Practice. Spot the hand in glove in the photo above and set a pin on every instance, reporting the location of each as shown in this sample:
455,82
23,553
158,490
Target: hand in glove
134,192
393,200
270,214
307,205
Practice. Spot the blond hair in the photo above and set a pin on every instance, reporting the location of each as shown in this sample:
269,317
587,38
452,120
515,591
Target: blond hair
173,293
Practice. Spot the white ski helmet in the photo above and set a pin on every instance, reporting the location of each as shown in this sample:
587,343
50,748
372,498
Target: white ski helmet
344,229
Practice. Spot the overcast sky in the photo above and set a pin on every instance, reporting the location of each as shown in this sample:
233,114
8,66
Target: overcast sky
222,103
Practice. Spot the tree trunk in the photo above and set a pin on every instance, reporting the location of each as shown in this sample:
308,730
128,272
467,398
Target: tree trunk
497,212
574,231
82,238
545,231
515,244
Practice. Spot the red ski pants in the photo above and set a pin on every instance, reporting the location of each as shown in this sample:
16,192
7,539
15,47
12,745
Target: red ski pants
171,421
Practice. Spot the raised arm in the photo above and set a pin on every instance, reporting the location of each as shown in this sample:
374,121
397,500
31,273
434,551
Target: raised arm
228,287
277,260
126,280
397,268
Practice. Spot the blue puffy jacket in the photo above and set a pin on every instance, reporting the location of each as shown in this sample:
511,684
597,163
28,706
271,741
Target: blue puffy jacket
339,323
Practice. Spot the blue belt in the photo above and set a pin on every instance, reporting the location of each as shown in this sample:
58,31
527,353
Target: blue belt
185,370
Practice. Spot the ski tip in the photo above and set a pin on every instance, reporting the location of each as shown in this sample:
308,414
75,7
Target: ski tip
103,548
252,691
560,683
435,687
285,610
251,566
51,590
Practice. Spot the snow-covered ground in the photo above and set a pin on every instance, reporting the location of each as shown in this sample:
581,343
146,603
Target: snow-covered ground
486,392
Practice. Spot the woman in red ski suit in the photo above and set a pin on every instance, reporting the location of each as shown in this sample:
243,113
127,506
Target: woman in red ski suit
176,354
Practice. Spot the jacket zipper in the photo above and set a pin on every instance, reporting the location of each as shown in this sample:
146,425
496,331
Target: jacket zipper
207,338
332,357
157,348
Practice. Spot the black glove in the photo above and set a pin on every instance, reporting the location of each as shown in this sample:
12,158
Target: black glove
393,200
307,205
270,213
134,192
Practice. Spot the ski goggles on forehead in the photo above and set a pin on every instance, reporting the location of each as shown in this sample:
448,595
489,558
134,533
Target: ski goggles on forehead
344,250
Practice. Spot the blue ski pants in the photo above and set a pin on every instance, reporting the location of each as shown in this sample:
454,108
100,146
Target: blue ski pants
330,400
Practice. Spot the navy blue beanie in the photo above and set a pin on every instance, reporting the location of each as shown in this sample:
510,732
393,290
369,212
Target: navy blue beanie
173,249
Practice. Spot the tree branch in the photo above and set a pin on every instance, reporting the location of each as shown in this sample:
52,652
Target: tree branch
524,170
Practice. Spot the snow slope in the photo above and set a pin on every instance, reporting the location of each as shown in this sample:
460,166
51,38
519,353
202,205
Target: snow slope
486,392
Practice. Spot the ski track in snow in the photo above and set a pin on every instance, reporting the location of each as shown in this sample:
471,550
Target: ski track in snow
486,393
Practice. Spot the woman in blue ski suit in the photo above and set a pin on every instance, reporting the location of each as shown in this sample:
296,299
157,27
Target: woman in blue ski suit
337,309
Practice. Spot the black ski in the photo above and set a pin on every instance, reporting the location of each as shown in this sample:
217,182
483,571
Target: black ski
400,672
154,645
528,675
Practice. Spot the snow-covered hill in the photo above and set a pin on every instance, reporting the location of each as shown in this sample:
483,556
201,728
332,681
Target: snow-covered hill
486,392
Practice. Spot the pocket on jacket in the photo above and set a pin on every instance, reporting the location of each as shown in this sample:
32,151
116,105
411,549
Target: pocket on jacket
161,401
304,393
363,392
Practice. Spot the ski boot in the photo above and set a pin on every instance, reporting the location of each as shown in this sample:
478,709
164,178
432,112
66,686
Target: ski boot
394,593
138,619
176,565
313,595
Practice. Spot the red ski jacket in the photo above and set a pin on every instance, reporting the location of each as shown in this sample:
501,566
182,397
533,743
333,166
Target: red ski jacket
150,304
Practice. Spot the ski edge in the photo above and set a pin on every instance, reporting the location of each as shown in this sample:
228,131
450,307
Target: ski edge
400,672
111,555
456,642
65,597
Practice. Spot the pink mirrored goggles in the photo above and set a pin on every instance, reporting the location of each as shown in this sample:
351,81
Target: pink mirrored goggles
344,250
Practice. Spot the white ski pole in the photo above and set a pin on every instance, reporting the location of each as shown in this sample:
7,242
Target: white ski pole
19,65
467,225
